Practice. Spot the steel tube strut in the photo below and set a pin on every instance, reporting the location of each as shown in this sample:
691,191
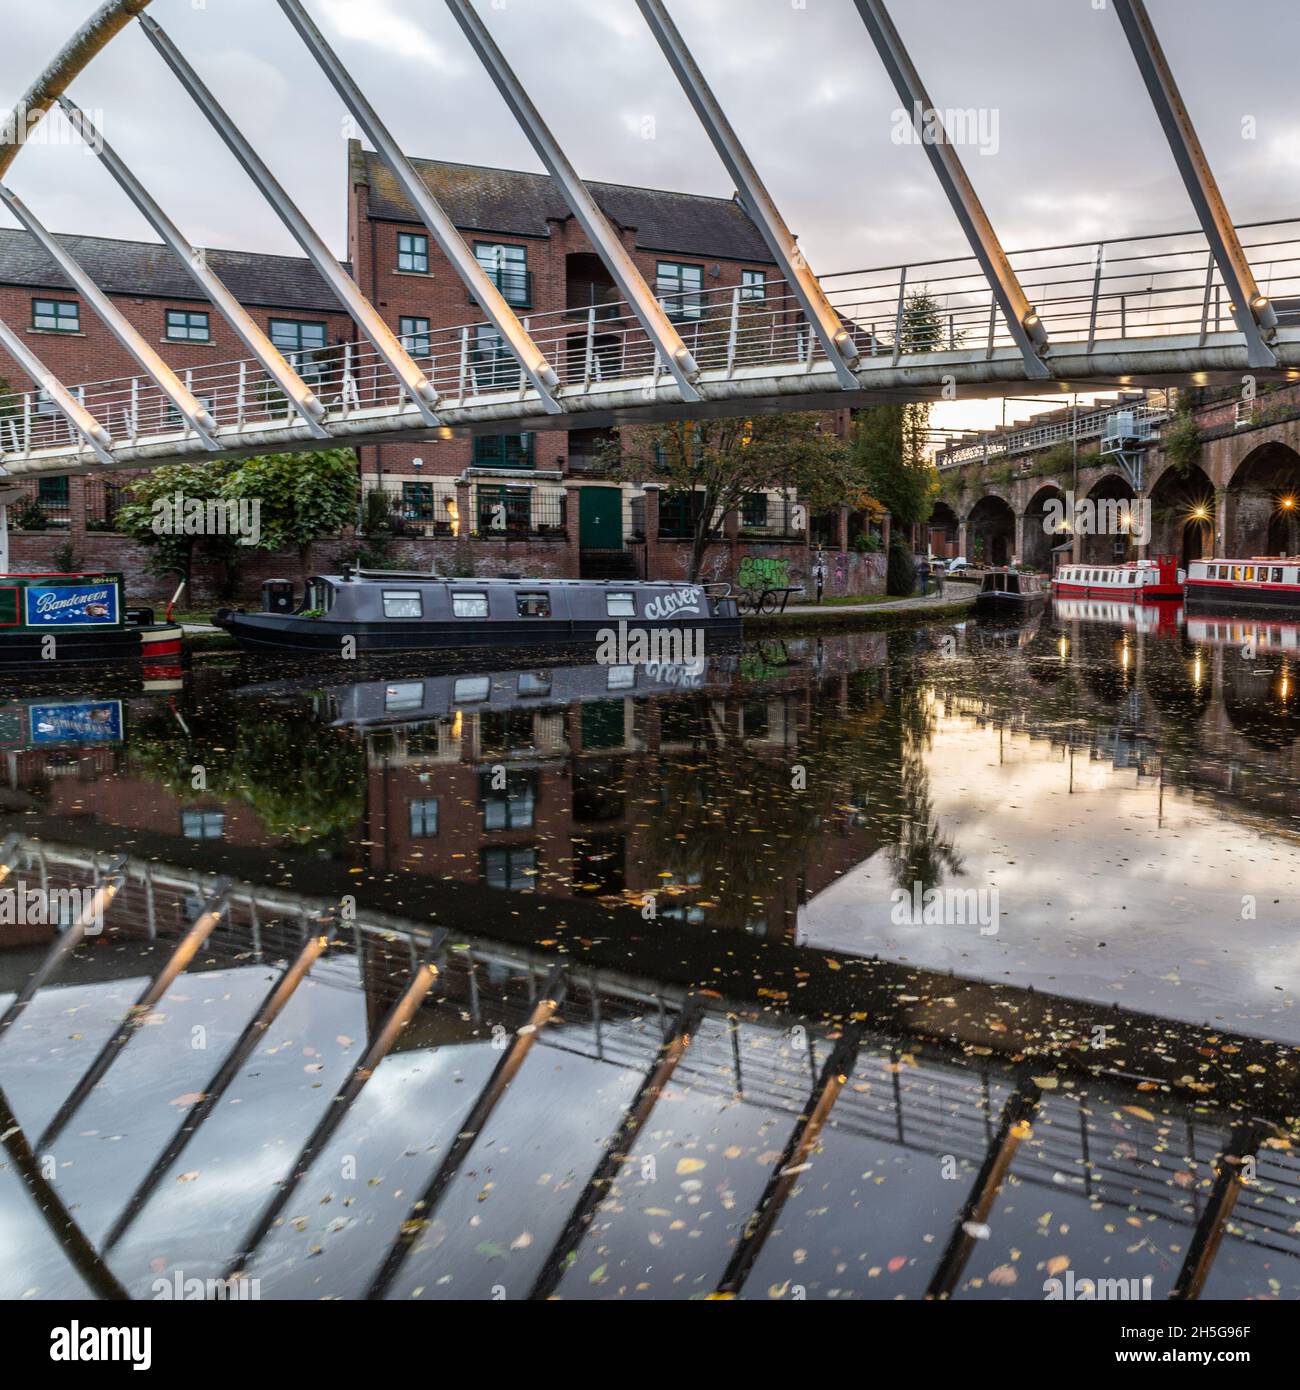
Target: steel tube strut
303,399
422,981
63,946
1013,1128
184,952
793,1162
1208,1236
658,326
1251,310
367,318
617,1148
836,340
272,1006
74,412
151,364
423,1208
441,228
1021,318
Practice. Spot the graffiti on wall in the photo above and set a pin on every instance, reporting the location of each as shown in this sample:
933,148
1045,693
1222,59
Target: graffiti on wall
764,572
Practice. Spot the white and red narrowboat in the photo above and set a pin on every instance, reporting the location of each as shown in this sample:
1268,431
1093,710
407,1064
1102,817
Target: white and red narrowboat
1139,581
1252,636
1262,581
48,621
1146,619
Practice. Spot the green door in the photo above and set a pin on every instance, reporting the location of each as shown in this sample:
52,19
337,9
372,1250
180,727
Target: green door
600,518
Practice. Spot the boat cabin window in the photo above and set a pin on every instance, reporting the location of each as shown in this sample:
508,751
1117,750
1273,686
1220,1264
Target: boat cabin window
469,605
403,603
534,683
1277,574
472,690
533,605
620,605
405,695
620,678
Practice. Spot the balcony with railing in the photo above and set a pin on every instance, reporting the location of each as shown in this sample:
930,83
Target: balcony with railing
516,286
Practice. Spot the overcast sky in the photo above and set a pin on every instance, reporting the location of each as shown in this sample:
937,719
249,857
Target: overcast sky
1079,153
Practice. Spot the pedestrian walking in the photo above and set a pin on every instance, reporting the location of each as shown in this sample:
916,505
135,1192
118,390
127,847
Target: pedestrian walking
923,573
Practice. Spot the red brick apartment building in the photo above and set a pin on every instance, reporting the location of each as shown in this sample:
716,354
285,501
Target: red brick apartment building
561,516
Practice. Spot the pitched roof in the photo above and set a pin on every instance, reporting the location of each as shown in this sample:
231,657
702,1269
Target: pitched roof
150,270
513,203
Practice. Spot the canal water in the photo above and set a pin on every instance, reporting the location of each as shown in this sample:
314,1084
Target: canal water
953,961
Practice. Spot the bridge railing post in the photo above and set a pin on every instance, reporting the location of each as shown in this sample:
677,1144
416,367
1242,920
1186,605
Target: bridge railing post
898,316
733,333
1098,263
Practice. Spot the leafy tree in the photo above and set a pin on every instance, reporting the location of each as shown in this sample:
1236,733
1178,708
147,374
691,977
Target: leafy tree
170,550
304,497
719,462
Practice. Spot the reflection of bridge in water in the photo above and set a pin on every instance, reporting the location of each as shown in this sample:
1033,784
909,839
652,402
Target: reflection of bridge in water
895,1065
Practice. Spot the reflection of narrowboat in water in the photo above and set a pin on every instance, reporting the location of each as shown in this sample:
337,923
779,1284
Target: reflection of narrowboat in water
1250,635
1007,591
1263,581
418,698
1139,581
1147,619
390,611
62,723
49,621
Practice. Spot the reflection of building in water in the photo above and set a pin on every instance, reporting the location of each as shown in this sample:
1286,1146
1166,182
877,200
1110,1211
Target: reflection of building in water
922,1080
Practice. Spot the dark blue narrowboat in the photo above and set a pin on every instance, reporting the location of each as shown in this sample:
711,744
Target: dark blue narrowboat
386,611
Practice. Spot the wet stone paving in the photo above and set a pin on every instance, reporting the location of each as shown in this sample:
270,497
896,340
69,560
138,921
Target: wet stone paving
946,961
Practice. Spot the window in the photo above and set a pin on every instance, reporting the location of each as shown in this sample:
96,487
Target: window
1277,575
301,341
509,868
469,605
680,289
415,336
403,696
620,678
507,268
188,326
424,818
504,511
504,451
56,315
620,605
297,335
203,825
492,364
509,807
1250,573
413,252
403,603
533,605
52,491
534,683
472,690
753,285
753,510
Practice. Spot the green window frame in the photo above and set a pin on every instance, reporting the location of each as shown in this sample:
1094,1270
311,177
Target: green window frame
680,289
413,253
415,335
187,326
506,266
56,315
505,451
753,285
